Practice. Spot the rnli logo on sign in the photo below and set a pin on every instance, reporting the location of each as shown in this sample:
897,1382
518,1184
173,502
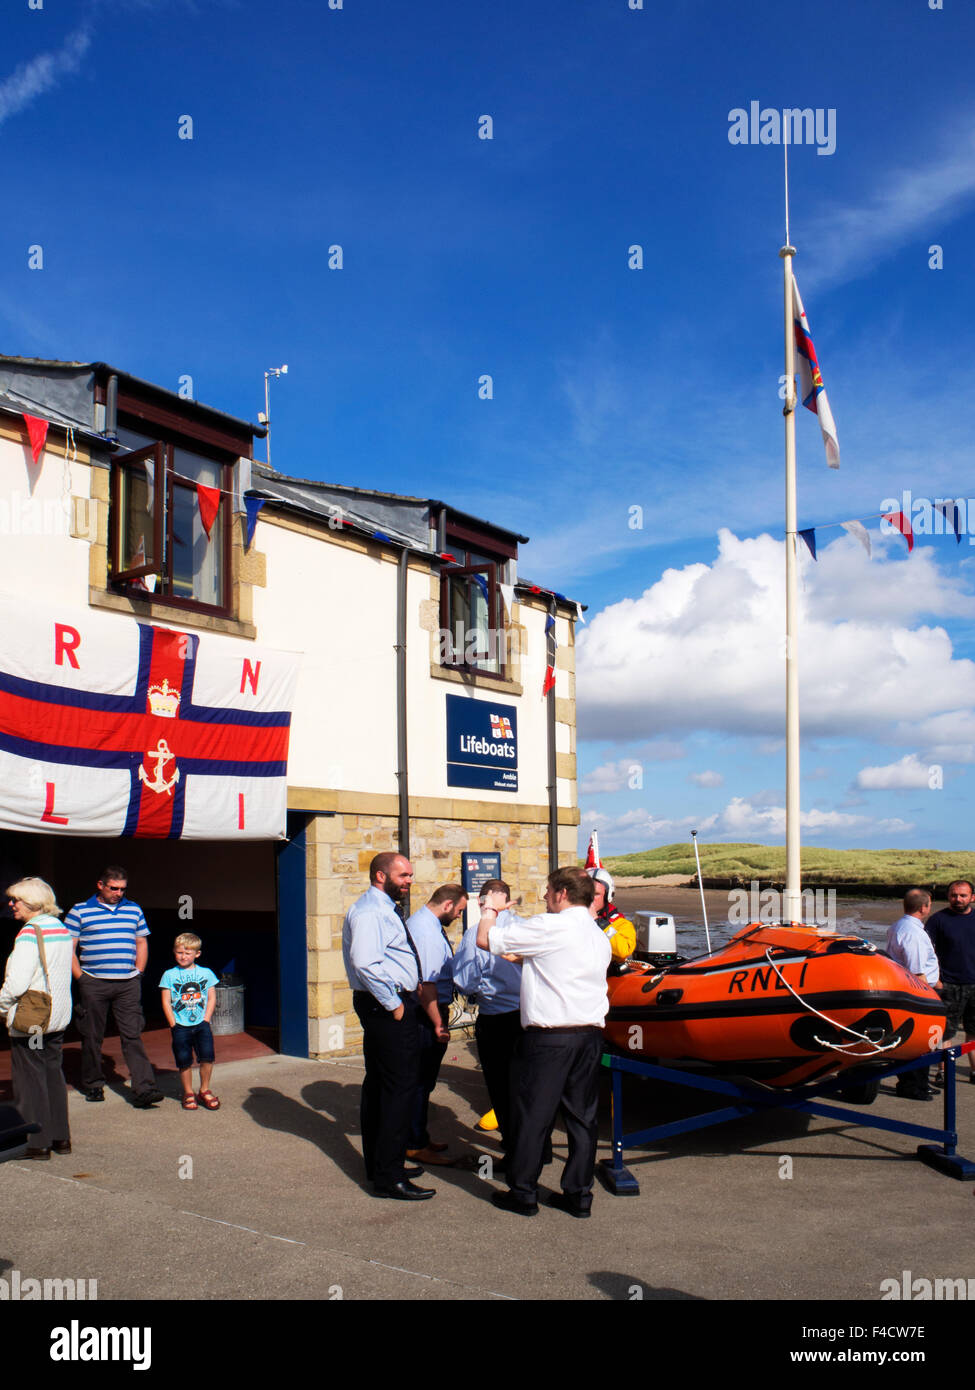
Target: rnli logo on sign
501,727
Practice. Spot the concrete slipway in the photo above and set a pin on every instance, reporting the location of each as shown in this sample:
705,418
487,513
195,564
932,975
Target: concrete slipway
276,1208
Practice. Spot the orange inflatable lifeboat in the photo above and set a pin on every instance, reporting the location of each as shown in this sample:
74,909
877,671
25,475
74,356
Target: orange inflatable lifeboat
781,1005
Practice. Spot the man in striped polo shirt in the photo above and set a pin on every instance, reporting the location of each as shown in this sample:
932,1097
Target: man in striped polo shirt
110,953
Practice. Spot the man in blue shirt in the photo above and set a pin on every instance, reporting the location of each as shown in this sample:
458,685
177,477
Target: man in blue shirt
495,984
909,943
428,932
383,974
111,948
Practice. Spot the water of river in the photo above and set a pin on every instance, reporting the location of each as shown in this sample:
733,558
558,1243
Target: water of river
867,918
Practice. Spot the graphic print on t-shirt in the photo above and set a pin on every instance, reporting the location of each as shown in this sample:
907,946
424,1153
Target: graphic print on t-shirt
188,991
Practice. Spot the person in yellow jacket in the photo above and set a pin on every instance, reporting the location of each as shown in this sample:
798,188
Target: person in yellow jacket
621,933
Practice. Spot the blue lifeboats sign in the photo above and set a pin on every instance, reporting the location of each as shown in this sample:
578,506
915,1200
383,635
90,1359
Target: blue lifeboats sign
482,744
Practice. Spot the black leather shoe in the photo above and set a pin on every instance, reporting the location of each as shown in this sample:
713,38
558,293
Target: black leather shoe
412,1170
506,1201
143,1099
574,1206
37,1153
913,1094
95,1093
61,1146
404,1192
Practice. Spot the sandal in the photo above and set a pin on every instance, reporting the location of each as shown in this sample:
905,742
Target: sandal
189,1101
209,1100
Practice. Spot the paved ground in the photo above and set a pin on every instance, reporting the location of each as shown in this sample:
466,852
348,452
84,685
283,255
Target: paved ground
780,1207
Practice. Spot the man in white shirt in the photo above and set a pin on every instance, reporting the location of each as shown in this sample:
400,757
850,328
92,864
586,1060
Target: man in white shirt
564,959
909,943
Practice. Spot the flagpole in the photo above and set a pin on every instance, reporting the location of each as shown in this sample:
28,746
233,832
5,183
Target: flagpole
792,900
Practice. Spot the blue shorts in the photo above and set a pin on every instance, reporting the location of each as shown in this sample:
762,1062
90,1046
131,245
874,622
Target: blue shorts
186,1041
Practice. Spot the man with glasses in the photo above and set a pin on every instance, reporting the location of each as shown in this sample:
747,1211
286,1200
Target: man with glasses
111,949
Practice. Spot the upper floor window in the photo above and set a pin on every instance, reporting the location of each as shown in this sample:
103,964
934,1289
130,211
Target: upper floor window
158,541
474,636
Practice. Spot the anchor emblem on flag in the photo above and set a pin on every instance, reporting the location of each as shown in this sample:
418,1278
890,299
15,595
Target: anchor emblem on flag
160,755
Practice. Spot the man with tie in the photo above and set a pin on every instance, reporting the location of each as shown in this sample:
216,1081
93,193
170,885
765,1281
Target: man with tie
382,969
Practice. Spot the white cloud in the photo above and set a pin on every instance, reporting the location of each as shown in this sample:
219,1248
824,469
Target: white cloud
909,772
902,206
610,777
703,648
741,819
34,78
948,737
706,779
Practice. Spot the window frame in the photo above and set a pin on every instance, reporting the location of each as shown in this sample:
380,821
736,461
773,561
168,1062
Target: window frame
165,481
120,465
494,556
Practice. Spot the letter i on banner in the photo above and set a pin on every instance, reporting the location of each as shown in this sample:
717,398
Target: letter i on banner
240,810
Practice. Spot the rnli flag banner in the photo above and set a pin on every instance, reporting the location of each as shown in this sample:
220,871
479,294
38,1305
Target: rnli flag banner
109,726
811,389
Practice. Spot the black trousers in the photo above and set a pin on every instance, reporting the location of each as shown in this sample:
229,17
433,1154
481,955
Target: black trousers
39,1090
553,1067
497,1038
124,997
428,1069
390,1049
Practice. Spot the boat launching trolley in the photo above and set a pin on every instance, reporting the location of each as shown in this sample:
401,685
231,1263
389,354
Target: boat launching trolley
747,1099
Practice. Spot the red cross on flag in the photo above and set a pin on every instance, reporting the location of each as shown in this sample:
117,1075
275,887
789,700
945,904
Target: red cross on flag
110,726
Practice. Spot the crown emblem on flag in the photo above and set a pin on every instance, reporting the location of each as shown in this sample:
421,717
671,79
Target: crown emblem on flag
501,727
164,700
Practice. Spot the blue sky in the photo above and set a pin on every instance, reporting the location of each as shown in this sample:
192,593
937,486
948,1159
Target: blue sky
614,388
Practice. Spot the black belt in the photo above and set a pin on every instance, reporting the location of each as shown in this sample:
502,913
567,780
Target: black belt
568,1028
407,995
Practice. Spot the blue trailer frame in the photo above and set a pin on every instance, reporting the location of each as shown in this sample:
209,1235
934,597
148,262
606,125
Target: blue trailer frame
749,1100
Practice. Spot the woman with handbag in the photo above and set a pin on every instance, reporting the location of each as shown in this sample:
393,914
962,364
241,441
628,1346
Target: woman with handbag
36,1001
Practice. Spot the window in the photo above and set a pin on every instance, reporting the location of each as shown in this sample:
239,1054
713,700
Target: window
158,542
473,633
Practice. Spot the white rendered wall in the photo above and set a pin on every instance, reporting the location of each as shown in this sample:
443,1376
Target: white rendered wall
38,556
338,607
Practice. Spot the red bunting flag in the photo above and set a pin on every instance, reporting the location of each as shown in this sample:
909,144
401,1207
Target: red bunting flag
549,679
37,429
209,500
593,861
900,521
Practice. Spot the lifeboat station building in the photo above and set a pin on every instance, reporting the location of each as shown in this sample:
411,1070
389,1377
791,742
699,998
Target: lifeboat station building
242,685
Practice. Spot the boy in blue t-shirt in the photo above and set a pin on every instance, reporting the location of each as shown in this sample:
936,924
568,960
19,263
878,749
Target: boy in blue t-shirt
188,1002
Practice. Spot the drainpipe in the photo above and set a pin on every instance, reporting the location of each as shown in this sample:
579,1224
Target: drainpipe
402,772
553,785
111,408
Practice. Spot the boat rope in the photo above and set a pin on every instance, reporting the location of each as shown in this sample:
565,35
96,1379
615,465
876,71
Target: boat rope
861,1038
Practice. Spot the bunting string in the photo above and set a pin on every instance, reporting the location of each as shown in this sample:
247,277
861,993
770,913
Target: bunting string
953,514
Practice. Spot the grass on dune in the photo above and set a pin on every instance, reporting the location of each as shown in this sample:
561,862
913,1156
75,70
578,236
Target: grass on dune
766,863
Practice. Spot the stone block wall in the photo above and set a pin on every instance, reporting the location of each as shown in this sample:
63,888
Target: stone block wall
339,850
